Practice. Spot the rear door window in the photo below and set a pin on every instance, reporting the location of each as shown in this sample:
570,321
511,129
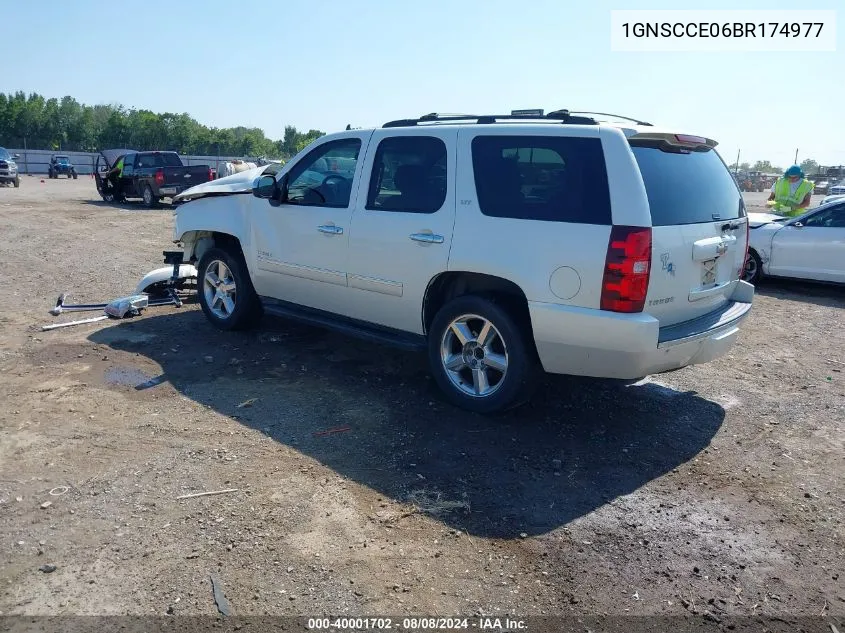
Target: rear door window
409,175
551,178
172,160
687,187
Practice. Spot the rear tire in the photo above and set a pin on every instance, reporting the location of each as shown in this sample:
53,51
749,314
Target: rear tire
150,201
225,291
466,361
753,271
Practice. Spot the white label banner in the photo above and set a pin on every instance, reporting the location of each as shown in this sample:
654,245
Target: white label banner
716,31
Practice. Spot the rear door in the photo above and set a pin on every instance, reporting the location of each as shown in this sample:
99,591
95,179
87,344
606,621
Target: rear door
127,180
698,226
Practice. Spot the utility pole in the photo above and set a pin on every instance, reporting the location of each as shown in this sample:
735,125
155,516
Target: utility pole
736,166
795,162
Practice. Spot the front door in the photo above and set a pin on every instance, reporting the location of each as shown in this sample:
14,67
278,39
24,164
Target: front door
402,225
813,248
127,179
301,244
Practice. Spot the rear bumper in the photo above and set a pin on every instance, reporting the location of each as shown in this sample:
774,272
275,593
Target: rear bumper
173,190
602,344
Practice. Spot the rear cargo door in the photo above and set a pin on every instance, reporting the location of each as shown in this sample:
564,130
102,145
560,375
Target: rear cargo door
698,227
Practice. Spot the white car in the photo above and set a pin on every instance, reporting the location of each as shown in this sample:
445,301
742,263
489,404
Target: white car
835,192
503,246
810,246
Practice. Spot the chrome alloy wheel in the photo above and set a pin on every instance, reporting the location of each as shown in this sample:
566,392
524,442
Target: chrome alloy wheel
219,289
474,355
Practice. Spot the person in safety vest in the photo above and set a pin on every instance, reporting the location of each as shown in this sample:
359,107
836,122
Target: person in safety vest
114,175
791,192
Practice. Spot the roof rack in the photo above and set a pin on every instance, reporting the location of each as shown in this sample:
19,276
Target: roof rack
618,116
558,116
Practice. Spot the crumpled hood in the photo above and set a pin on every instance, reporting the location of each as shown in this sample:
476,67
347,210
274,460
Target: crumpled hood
759,219
236,183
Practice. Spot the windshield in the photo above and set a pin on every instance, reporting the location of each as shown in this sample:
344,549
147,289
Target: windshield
687,187
4,154
62,159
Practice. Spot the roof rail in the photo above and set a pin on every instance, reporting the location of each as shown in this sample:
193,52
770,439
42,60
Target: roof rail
618,116
559,116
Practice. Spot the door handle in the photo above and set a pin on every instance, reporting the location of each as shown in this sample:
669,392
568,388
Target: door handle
331,229
428,238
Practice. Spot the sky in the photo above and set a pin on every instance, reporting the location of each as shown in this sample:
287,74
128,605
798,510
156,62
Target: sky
327,64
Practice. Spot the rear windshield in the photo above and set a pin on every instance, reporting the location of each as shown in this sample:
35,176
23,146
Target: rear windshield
159,160
687,188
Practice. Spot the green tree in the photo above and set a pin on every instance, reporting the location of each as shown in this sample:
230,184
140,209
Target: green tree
65,123
809,166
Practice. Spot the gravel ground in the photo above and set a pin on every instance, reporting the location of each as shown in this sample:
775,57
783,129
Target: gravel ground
716,490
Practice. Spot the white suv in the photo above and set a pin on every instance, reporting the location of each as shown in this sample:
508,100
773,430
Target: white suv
502,245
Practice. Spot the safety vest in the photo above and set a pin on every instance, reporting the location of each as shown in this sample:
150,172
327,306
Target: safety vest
120,167
789,201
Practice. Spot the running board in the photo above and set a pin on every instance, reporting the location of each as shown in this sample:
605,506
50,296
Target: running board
345,325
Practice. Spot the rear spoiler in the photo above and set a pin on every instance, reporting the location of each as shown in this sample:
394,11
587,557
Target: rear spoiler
681,141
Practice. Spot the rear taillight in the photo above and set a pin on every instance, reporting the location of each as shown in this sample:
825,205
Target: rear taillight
210,174
747,242
159,177
626,269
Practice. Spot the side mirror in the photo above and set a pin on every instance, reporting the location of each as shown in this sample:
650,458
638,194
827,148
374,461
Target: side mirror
16,156
265,187
798,225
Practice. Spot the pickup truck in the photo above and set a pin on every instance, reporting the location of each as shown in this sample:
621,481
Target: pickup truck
150,176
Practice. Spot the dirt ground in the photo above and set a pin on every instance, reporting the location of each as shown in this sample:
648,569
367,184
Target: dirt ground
716,490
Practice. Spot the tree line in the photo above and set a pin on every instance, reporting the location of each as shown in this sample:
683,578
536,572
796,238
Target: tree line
64,124
809,166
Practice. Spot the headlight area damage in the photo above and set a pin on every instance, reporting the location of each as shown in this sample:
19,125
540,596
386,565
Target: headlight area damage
212,213
236,183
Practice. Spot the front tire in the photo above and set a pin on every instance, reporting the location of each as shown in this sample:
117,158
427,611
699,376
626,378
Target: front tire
753,271
17,182
481,357
225,290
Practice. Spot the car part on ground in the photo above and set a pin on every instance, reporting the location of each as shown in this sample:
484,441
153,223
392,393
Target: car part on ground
56,326
155,289
156,281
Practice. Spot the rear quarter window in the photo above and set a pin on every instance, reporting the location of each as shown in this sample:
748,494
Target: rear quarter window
550,178
689,187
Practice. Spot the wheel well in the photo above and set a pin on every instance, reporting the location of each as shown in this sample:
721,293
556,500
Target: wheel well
227,242
201,241
450,285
